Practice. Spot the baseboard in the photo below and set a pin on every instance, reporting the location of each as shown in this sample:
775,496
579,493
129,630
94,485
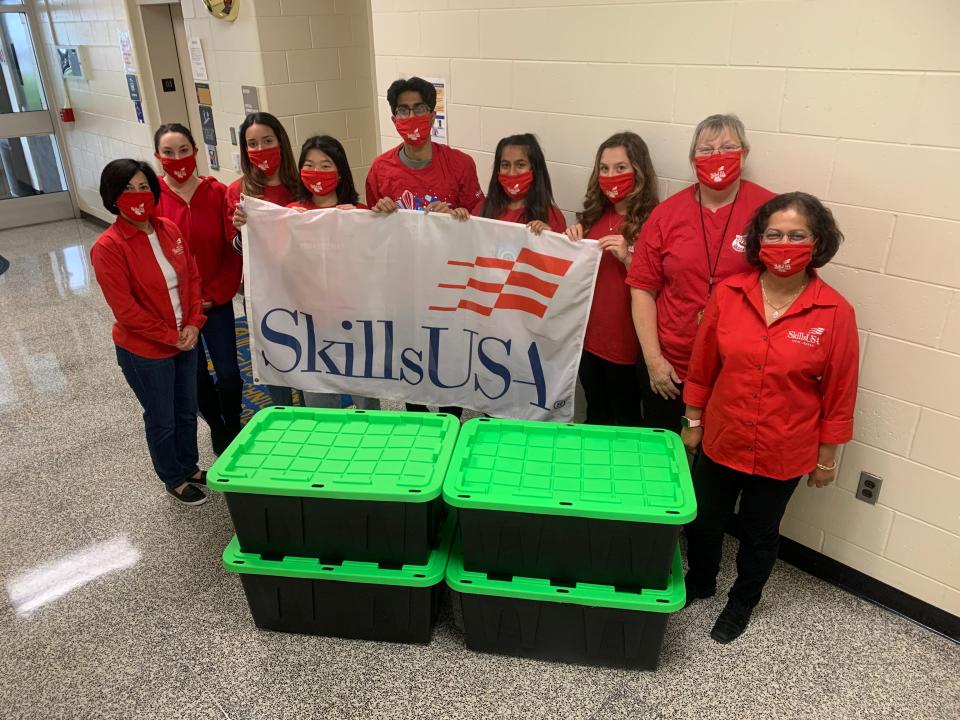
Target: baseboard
94,219
870,589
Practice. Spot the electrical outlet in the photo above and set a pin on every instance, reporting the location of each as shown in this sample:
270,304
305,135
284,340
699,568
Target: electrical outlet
868,489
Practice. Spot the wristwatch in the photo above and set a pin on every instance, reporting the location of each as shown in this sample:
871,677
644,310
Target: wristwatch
688,423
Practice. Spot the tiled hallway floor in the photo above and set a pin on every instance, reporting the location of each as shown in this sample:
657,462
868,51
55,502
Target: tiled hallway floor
171,636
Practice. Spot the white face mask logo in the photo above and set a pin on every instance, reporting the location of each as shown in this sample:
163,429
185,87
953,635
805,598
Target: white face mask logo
317,188
613,193
263,165
785,266
415,135
181,173
139,210
514,190
719,175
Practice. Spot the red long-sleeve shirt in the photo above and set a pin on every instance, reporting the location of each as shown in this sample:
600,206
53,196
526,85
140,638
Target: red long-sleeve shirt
136,290
209,237
773,394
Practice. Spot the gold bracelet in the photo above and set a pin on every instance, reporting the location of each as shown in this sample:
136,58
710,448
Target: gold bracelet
827,468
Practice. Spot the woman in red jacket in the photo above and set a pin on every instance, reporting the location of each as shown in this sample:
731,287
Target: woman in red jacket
621,194
769,394
520,189
151,283
196,206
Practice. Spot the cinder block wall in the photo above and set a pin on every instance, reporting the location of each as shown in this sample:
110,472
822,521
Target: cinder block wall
855,102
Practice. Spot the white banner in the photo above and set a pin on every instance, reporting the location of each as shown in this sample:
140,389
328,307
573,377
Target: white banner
422,308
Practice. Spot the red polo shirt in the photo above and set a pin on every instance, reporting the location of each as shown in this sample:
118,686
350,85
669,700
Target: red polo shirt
773,394
671,260
136,290
610,332
207,235
450,176
308,205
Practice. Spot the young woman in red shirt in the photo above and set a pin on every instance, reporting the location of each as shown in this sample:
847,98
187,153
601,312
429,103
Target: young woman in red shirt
326,182
269,173
151,283
691,242
621,194
769,395
520,189
196,206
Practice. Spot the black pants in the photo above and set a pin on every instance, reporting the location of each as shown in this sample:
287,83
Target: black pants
612,392
762,504
660,413
451,409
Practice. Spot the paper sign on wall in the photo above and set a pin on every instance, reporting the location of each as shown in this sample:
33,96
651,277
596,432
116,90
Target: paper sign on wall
438,132
126,52
197,64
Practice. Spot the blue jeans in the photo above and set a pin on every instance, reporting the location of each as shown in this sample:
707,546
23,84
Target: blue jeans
167,391
220,402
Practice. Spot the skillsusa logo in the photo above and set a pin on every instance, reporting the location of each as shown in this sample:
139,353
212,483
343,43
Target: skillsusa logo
739,243
811,338
180,174
719,175
139,210
178,248
534,272
415,135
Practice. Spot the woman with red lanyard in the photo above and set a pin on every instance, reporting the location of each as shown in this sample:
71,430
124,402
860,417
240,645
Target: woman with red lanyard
326,181
770,394
620,197
269,173
691,241
196,206
520,189
151,283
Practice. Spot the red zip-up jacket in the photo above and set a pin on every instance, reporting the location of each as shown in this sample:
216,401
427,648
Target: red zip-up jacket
136,291
208,236
773,394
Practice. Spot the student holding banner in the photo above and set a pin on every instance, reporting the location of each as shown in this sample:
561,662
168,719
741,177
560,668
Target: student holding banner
520,189
196,205
621,194
269,173
326,181
691,242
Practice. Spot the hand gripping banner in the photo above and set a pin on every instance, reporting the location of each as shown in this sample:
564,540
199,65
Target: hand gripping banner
423,308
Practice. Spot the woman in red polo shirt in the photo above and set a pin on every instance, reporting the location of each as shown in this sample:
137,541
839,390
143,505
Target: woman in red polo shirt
621,195
770,394
691,242
520,189
269,173
196,206
151,283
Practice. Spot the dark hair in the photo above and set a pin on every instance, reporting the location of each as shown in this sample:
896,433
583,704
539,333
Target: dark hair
826,235
172,128
428,93
539,199
642,199
331,147
117,174
253,179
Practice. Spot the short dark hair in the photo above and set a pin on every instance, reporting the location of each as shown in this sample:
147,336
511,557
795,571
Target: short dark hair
172,128
117,174
331,147
539,199
428,93
826,235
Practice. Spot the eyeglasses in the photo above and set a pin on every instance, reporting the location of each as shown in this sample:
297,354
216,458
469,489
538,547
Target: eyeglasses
794,236
405,111
708,150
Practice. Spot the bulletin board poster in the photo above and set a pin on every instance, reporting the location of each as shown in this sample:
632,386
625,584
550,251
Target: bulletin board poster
126,53
439,131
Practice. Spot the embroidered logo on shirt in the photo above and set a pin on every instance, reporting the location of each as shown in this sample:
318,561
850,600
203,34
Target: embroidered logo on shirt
811,338
178,248
739,243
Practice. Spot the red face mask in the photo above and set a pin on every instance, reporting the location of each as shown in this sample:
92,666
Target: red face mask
266,160
617,187
136,206
178,169
516,186
786,259
718,171
320,182
415,129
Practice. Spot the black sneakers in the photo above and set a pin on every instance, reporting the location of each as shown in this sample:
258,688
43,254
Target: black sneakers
202,480
731,623
189,496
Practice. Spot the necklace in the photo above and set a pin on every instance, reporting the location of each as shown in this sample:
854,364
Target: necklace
610,218
777,309
712,268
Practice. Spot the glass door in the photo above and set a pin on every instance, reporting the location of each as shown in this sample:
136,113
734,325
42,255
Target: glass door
33,185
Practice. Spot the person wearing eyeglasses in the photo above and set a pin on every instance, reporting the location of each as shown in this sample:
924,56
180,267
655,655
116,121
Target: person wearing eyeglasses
690,242
770,395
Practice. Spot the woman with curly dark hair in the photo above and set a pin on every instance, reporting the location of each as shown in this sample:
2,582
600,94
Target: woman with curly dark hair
621,194
769,395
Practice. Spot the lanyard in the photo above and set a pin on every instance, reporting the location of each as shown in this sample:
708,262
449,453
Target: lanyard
712,269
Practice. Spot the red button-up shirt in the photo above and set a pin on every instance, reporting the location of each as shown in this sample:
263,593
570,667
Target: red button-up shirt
773,394
136,290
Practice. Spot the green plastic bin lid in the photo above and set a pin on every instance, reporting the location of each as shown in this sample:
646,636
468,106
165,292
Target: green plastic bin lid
428,575
339,454
669,600
592,471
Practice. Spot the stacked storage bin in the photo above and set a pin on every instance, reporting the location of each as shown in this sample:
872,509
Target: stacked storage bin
568,539
341,528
